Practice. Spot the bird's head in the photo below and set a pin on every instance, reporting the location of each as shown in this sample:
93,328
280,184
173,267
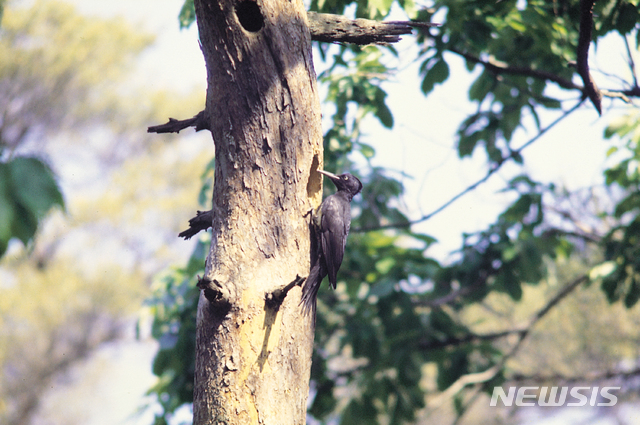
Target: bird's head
344,182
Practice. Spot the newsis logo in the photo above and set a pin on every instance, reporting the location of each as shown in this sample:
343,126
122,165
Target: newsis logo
558,396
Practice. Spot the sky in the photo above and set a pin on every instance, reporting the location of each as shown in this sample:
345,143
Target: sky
109,388
421,145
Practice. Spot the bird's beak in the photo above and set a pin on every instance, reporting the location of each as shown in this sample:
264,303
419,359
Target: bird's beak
328,174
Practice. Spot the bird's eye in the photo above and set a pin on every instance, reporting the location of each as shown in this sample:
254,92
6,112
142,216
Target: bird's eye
346,178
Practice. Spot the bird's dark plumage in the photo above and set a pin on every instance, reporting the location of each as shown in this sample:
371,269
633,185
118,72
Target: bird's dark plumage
330,223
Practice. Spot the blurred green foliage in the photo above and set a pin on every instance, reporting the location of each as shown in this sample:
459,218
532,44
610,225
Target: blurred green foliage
28,191
622,242
174,308
57,72
396,310
64,290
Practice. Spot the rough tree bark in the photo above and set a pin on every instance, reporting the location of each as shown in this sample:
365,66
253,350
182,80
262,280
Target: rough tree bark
253,346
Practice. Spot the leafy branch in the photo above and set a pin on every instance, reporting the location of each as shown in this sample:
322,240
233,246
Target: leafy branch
497,68
492,372
515,154
566,83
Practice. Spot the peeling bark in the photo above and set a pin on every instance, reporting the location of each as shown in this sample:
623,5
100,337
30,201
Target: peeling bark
338,29
253,354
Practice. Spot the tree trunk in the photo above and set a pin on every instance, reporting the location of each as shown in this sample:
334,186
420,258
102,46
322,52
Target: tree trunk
253,345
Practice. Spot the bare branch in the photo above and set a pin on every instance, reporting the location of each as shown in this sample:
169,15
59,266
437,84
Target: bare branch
497,68
467,339
632,65
202,221
487,375
471,187
331,28
581,235
326,28
584,40
174,125
570,287
632,92
519,70
619,94
589,377
450,297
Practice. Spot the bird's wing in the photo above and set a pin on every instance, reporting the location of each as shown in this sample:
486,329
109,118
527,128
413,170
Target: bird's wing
333,234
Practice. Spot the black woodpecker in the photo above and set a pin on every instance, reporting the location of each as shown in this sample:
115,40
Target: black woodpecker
330,226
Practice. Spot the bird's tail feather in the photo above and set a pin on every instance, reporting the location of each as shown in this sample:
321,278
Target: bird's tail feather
310,289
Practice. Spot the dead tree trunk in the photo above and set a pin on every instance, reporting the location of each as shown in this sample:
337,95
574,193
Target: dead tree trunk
253,346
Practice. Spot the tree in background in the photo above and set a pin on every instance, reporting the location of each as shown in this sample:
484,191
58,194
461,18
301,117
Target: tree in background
47,91
401,335
65,100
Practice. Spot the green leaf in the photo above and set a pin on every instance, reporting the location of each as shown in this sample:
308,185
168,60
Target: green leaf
550,103
409,7
323,402
384,265
7,214
517,25
206,179
468,135
517,211
610,286
24,225
359,412
436,74
187,14
384,115
383,289
517,157
633,294
366,150
621,126
451,368
627,18
379,8
27,192
512,286
481,87
34,186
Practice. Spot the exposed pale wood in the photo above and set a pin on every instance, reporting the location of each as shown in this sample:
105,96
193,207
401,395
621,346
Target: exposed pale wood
253,347
338,29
